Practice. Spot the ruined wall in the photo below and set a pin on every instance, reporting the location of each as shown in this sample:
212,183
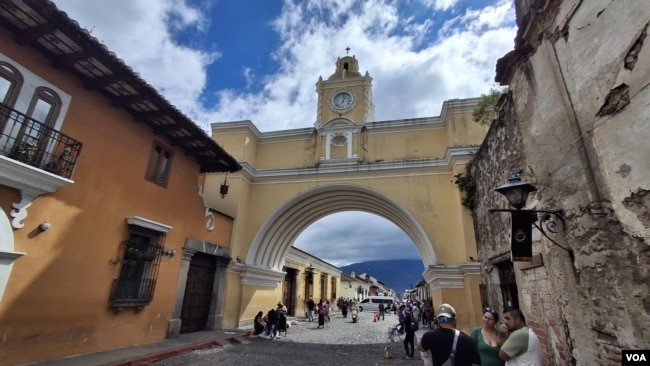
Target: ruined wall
576,123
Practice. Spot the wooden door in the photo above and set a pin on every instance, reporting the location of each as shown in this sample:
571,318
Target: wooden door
198,293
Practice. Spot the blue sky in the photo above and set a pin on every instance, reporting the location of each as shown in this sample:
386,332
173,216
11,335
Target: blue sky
258,60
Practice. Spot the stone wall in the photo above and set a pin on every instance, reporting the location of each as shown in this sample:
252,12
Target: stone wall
575,122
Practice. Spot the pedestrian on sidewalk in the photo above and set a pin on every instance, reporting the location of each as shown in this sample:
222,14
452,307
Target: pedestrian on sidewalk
282,318
382,311
321,315
310,309
407,326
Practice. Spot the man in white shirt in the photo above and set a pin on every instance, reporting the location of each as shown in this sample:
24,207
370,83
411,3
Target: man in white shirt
522,346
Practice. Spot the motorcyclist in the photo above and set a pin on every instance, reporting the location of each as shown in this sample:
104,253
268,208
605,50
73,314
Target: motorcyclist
354,310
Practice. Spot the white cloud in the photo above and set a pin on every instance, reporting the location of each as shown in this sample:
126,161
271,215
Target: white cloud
353,237
413,71
139,33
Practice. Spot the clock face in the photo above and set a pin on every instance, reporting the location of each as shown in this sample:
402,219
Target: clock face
342,100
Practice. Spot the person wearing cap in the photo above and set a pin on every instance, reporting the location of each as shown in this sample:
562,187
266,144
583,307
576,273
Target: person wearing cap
522,346
448,346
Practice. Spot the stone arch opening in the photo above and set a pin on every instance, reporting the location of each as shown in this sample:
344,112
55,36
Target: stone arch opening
274,239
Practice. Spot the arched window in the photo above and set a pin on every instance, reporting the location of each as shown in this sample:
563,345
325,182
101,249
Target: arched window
45,106
10,83
36,131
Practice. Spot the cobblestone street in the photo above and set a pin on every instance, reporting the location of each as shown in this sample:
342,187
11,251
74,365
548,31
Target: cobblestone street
341,342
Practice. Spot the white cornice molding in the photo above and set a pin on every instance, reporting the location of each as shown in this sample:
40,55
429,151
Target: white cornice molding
450,276
251,130
147,223
449,108
252,275
31,182
451,158
319,265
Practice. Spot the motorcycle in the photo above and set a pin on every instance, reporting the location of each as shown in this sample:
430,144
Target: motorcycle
355,314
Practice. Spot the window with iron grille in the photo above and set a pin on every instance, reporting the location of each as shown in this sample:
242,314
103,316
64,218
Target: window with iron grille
159,165
139,268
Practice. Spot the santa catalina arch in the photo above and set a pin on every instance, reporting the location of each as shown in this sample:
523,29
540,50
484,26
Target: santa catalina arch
401,170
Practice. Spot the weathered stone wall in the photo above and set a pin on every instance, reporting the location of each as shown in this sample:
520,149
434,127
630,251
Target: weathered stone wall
576,123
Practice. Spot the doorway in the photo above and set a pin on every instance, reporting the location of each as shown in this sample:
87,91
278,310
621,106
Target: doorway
198,293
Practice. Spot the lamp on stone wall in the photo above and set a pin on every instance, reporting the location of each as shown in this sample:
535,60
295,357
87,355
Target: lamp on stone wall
309,271
223,190
523,220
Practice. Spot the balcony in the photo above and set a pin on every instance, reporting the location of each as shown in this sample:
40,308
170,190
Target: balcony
34,159
35,144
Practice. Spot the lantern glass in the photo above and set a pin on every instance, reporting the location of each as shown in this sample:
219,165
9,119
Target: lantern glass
516,192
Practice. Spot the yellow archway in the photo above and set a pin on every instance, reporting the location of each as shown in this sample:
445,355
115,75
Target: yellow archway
274,239
401,170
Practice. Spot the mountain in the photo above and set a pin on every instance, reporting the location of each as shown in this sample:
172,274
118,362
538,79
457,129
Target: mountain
399,274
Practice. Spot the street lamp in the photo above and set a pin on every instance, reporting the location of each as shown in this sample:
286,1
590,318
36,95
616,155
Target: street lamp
309,271
223,189
523,220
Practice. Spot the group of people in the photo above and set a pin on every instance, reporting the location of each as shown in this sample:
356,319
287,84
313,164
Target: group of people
510,343
270,325
322,310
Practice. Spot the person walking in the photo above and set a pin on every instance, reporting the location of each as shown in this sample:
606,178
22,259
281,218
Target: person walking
344,309
407,325
488,340
521,348
415,313
446,345
382,311
328,305
321,315
310,309
423,313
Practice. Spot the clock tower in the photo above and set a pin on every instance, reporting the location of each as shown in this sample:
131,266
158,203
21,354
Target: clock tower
344,106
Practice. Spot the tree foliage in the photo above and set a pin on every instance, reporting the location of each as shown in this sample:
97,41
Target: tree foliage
484,113
466,183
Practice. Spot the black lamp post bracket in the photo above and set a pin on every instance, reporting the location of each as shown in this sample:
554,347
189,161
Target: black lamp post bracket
550,221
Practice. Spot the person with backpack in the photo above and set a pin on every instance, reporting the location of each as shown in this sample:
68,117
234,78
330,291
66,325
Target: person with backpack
447,346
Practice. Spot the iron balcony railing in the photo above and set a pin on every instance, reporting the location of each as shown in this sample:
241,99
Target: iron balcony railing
33,143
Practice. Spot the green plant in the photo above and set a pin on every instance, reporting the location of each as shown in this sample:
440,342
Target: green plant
25,150
484,113
466,183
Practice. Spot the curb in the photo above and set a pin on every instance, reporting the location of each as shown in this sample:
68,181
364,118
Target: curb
151,358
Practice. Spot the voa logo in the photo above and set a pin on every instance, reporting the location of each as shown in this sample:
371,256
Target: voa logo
634,357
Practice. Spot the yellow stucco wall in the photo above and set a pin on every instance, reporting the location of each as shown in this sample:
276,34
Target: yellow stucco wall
56,300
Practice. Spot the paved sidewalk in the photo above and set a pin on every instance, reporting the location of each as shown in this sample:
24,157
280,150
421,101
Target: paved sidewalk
147,354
